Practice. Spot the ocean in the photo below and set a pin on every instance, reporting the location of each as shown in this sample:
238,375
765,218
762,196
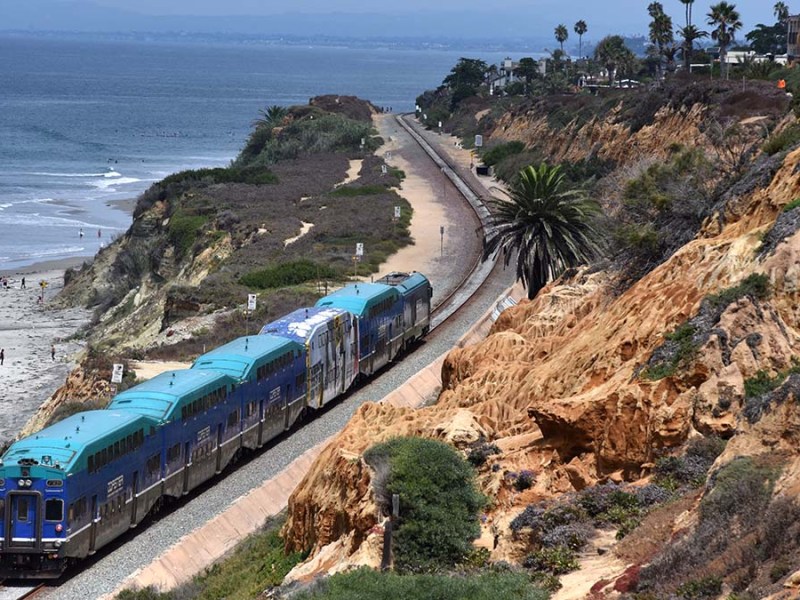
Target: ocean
86,123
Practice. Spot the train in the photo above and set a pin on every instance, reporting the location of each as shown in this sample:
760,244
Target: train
73,487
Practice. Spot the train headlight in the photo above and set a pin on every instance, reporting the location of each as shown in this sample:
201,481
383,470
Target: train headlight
59,529
21,483
28,483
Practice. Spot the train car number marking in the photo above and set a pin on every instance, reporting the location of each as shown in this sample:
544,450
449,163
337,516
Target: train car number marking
115,485
204,434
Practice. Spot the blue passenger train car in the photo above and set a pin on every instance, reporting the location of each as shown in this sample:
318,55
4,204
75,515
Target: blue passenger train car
71,488
330,343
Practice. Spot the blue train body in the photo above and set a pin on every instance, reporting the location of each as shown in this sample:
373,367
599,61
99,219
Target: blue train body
74,486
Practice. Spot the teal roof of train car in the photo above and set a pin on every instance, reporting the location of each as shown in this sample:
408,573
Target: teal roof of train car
161,396
413,281
359,297
237,358
68,442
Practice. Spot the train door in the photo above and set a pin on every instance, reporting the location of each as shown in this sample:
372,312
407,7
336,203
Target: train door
187,464
260,422
95,520
134,500
315,385
219,448
25,529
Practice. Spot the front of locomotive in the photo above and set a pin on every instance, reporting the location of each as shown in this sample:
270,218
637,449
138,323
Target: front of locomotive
32,504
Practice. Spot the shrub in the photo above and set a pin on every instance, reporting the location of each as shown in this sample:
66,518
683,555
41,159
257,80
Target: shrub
708,587
494,155
673,472
755,285
439,504
679,353
524,480
367,584
742,489
354,191
183,230
556,561
782,140
792,205
285,274
480,451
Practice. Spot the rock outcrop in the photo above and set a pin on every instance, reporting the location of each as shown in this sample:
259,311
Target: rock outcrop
560,385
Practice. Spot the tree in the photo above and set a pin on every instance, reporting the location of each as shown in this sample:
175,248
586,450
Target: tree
580,29
767,39
612,53
271,116
561,35
550,228
661,35
726,18
688,9
465,78
468,72
527,69
690,35
781,12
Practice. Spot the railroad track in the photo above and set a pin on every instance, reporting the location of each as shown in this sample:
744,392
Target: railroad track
19,592
98,568
480,269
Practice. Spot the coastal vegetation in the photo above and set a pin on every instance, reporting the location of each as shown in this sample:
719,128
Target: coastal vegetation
548,228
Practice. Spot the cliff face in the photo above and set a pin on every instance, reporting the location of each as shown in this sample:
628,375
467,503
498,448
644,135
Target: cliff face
561,384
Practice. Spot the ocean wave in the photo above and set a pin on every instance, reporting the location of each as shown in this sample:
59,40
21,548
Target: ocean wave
32,254
115,182
83,175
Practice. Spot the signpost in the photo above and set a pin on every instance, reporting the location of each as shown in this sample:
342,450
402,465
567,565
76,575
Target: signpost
116,373
397,213
478,140
441,241
384,170
43,285
357,257
251,307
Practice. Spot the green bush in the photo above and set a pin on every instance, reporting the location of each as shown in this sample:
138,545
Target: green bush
761,383
755,285
285,274
557,560
685,350
366,584
439,504
183,230
785,139
708,587
494,155
253,174
363,190
792,205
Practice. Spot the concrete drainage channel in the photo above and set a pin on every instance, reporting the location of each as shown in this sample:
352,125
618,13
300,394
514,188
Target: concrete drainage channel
204,545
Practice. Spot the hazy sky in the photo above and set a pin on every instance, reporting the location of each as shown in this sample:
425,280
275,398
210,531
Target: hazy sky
465,18
752,11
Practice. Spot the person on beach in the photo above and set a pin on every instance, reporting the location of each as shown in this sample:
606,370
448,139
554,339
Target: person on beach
99,233
2,356
53,351
80,234
22,285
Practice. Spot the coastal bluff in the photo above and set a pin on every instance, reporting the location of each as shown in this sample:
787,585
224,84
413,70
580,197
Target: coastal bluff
584,385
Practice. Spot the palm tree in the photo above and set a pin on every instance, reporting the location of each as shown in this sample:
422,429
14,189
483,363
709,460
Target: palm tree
271,116
726,18
688,10
781,12
580,29
613,54
551,228
661,35
690,35
561,35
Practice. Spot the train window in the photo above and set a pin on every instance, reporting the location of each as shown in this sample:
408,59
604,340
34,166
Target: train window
153,464
103,457
183,413
91,464
233,418
173,453
22,509
300,379
71,513
116,450
54,509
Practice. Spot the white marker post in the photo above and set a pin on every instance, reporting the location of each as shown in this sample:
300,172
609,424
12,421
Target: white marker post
357,257
251,307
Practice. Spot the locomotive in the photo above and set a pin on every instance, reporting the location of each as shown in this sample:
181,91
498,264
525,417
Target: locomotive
71,488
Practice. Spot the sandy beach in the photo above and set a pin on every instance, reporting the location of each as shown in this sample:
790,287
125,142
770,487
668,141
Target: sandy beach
28,329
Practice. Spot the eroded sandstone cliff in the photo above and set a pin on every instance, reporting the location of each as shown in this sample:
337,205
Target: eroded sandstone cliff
561,385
